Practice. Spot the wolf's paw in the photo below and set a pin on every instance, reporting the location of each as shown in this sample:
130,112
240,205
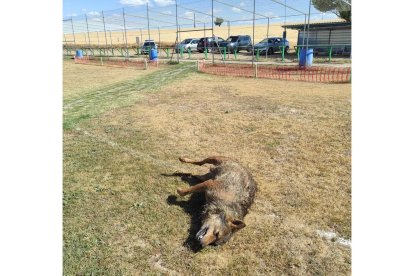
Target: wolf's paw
183,159
181,192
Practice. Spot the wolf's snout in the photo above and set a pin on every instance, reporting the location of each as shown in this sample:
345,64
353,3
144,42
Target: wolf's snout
201,233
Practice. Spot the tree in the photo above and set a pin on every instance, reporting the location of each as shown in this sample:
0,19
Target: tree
218,21
339,7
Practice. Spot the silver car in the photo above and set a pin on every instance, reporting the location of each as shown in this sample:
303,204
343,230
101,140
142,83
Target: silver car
189,44
272,45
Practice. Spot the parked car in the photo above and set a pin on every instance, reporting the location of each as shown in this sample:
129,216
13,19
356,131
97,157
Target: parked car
189,44
208,43
148,45
236,43
272,45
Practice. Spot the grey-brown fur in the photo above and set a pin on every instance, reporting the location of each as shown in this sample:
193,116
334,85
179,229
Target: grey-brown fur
229,190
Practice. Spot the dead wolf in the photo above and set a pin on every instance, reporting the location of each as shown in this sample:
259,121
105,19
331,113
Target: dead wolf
229,192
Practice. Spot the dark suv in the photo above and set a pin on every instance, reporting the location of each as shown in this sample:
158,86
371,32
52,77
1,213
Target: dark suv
148,45
236,43
208,43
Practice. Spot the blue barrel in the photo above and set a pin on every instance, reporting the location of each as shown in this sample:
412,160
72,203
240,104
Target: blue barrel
153,54
306,57
79,53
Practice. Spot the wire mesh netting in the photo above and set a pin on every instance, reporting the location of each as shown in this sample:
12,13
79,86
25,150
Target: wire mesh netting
134,24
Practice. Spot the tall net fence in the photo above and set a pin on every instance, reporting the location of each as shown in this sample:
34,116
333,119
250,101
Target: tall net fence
168,24
173,21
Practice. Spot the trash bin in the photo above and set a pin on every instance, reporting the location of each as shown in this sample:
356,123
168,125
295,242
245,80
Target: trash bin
306,57
79,53
153,54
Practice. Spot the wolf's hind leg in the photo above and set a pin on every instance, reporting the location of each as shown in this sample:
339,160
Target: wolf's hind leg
197,188
204,177
215,160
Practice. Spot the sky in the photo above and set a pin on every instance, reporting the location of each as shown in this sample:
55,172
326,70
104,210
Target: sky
162,12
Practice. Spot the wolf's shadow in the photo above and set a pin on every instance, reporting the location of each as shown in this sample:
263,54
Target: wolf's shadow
193,206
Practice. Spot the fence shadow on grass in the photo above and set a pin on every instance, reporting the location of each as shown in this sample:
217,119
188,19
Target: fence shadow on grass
193,206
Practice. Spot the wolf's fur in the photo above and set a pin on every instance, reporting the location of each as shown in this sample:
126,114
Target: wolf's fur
229,190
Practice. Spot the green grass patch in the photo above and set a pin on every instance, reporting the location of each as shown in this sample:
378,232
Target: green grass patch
95,102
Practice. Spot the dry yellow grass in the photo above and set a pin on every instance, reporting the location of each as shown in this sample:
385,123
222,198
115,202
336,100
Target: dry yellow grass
120,212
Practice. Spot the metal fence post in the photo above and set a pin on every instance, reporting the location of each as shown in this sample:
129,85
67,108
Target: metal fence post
254,18
255,69
176,25
106,41
149,34
140,31
267,33
112,47
97,35
73,32
126,40
159,37
212,27
330,53
87,29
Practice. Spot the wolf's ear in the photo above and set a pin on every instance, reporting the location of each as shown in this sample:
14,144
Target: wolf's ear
237,224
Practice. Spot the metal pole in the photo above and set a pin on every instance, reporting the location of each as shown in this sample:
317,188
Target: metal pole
285,20
176,23
254,18
194,19
110,36
73,32
228,28
87,28
267,33
149,34
307,38
304,32
106,41
159,37
212,27
126,40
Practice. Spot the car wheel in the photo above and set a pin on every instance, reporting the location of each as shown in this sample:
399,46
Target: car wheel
270,52
286,49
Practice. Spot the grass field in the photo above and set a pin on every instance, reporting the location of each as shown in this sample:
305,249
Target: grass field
124,130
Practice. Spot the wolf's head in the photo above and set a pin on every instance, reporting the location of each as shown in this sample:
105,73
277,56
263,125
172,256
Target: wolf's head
217,229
